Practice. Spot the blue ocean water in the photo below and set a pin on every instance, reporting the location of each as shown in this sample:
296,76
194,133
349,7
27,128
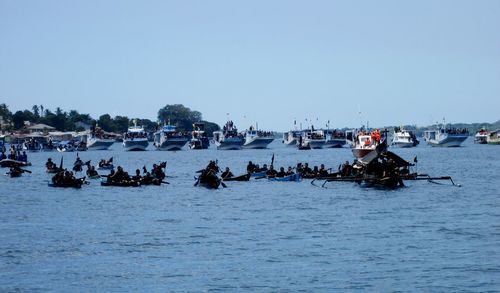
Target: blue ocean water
257,236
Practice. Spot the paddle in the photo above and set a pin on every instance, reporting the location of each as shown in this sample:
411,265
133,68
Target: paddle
223,184
24,170
166,182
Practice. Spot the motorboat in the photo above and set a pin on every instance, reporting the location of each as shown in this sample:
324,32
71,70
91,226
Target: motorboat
334,138
97,140
493,137
199,138
314,138
168,138
291,137
366,145
228,138
257,139
135,139
403,138
446,137
481,136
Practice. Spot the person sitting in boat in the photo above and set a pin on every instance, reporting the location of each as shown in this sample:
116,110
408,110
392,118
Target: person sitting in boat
271,172
322,170
289,171
227,174
158,172
50,165
315,170
250,167
306,170
346,169
117,176
137,176
367,142
281,173
264,168
213,167
91,171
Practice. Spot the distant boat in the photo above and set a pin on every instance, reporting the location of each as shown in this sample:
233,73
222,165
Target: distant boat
290,138
367,145
404,138
199,138
135,139
169,139
481,136
314,138
494,137
334,139
228,138
257,139
96,140
446,137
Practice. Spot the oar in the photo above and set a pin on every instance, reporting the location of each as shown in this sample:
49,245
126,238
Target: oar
223,184
166,182
197,181
24,170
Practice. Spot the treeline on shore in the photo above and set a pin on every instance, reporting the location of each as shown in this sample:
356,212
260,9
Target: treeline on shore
177,114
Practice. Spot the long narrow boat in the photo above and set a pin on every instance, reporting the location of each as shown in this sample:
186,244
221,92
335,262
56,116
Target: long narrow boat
244,177
293,177
7,163
77,183
131,183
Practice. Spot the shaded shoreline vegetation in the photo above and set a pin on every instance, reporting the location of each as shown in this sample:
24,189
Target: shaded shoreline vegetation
61,120
177,114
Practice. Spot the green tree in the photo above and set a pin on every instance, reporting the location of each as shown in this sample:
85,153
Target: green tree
121,124
6,115
20,116
179,115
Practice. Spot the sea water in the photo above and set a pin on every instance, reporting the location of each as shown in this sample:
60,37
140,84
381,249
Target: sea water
256,236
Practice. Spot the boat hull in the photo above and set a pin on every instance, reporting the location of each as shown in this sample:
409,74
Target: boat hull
230,146
316,144
449,141
258,143
100,144
334,143
199,144
171,145
135,145
402,144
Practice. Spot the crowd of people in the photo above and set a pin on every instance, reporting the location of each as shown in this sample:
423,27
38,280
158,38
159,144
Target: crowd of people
14,154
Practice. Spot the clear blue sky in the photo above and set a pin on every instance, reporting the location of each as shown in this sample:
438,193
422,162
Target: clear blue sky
396,62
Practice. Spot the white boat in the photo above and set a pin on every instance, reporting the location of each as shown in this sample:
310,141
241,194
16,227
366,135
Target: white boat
97,140
228,138
446,137
493,137
334,138
169,139
403,138
199,138
135,139
315,139
366,145
257,139
481,136
291,137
